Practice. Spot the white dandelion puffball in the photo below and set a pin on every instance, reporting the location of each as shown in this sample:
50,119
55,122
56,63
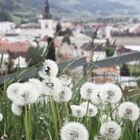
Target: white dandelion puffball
37,84
63,96
13,91
90,109
128,110
1,117
110,130
87,90
16,109
78,111
111,93
95,97
50,68
74,131
51,85
27,95
65,80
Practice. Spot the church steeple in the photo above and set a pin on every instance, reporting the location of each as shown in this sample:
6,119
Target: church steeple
46,13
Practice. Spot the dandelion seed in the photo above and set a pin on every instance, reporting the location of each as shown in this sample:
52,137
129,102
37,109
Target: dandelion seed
49,69
110,130
128,110
78,111
74,131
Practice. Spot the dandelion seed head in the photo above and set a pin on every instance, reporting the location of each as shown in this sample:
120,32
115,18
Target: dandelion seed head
63,96
36,84
95,97
51,86
27,95
50,68
110,130
128,110
92,109
74,131
16,109
1,117
87,90
65,80
78,111
111,93
13,91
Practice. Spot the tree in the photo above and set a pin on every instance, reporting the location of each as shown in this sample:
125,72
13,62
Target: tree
50,50
59,29
34,55
5,16
124,70
66,39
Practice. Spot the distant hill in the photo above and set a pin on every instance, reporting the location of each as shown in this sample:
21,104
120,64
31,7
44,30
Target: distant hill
31,9
134,3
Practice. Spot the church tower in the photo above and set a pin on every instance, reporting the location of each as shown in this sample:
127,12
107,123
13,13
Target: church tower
47,23
46,13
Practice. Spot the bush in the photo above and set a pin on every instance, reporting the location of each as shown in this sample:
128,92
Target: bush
124,70
110,48
34,55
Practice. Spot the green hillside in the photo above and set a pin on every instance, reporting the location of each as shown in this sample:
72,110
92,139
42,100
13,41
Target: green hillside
24,10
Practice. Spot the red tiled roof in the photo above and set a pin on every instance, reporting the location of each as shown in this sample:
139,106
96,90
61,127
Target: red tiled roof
45,38
123,50
16,47
57,43
89,46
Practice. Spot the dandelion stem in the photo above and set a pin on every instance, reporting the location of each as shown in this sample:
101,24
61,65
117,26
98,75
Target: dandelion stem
26,124
86,117
54,115
49,134
57,109
67,111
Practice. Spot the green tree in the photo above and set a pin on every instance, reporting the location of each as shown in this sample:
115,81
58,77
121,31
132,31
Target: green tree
5,16
124,70
59,29
34,55
50,50
66,39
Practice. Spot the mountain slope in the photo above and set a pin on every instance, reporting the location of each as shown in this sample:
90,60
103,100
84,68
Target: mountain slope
134,3
89,6
31,9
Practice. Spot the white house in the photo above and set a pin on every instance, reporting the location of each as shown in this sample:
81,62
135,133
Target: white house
6,26
20,62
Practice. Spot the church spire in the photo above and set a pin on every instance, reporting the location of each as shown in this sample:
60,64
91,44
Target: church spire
46,13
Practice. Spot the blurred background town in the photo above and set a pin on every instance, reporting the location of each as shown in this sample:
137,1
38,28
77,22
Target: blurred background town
91,29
